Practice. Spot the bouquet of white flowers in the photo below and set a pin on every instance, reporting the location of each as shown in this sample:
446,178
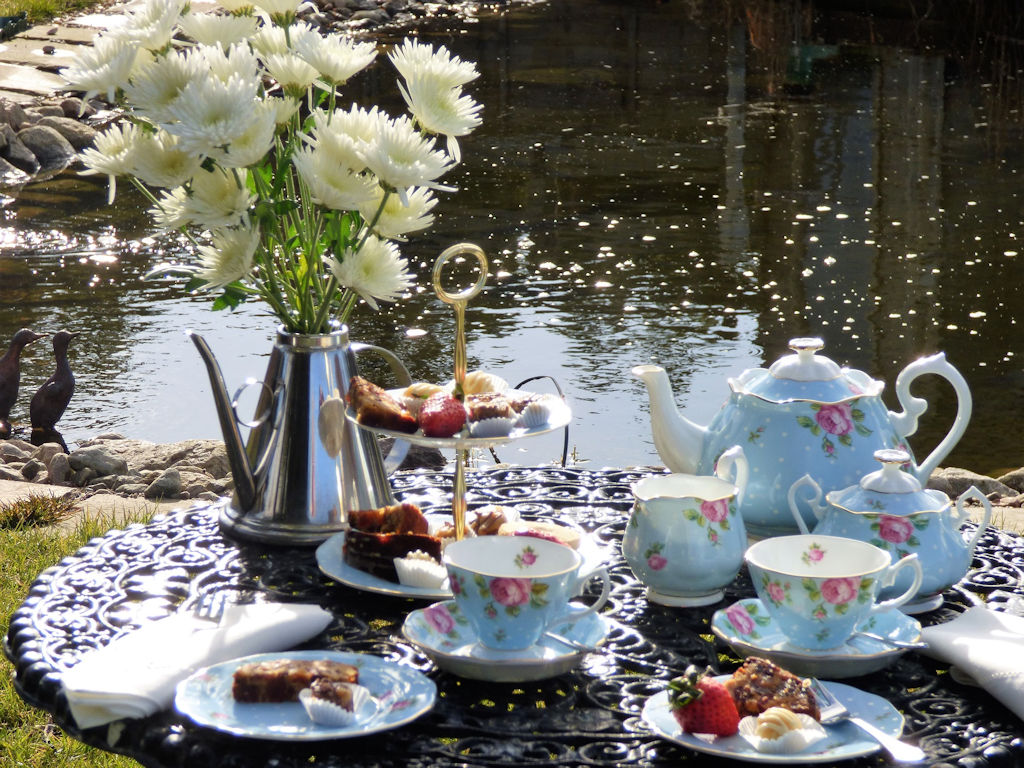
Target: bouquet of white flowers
287,197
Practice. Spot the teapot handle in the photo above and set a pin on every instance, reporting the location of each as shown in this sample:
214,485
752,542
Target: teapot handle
399,448
962,515
814,501
734,457
905,422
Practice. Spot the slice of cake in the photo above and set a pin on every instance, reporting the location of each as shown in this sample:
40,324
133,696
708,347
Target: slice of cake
377,536
277,680
760,684
374,407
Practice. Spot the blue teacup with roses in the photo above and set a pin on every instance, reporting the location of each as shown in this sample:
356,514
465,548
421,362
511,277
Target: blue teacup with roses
819,588
513,588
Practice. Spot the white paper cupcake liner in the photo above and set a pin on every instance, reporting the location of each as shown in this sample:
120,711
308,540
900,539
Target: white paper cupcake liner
418,572
535,414
810,732
323,712
496,427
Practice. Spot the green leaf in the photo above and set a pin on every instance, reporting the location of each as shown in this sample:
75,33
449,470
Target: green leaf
805,421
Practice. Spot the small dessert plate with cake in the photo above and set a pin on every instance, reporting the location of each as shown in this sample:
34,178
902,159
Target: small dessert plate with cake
259,696
749,629
397,550
842,741
447,637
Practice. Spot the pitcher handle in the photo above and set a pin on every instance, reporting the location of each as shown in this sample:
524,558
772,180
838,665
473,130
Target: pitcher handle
814,501
905,422
734,458
974,493
889,579
399,448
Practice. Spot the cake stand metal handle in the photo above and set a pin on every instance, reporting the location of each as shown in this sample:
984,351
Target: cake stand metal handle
458,302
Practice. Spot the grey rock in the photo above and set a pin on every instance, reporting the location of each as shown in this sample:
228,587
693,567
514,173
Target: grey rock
12,113
83,476
166,486
11,452
42,478
44,110
79,135
16,153
76,109
11,175
32,468
208,496
133,489
1014,479
59,468
953,481
50,148
210,455
10,473
98,459
46,452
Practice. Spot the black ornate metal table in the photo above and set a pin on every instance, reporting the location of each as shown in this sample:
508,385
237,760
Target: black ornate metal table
588,717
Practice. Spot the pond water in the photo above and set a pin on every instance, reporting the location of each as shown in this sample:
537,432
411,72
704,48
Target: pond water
648,188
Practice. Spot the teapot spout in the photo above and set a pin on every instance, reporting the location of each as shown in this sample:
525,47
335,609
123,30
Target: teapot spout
241,471
678,440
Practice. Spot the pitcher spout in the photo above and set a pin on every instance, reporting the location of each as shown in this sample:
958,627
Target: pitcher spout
678,440
241,471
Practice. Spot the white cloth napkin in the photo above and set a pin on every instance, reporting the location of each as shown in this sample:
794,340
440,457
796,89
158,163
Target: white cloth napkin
989,647
135,675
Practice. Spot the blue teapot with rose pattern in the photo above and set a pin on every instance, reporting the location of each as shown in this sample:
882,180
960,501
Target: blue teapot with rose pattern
802,415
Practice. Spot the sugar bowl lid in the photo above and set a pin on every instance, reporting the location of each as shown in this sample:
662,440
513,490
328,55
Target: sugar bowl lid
806,375
889,490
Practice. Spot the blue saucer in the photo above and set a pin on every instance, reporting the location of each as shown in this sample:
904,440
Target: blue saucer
748,628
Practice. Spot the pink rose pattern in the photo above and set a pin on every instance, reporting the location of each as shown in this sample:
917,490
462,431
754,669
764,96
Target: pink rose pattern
898,535
440,619
835,423
740,619
840,591
510,591
714,513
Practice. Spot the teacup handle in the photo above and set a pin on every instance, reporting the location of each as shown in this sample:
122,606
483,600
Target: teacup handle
606,588
814,501
889,578
974,493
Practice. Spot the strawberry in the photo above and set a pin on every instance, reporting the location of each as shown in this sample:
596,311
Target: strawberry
442,415
701,704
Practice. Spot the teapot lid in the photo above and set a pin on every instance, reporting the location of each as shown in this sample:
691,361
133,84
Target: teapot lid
806,375
889,490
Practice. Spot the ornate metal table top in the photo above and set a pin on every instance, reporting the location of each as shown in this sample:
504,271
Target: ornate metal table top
587,717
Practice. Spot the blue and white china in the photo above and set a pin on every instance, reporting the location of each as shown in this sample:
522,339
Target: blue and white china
803,415
844,740
514,588
890,509
402,694
448,638
685,537
819,588
748,628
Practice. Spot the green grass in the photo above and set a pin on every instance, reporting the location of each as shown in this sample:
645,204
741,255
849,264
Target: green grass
40,11
28,737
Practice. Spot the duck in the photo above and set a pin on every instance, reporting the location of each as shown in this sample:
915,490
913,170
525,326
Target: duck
50,400
10,375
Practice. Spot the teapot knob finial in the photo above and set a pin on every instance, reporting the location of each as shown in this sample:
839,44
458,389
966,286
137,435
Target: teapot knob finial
892,456
806,345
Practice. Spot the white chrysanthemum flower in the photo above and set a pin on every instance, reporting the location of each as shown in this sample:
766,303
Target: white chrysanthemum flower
292,73
376,271
250,146
212,114
151,24
441,110
217,29
401,157
155,86
336,58
111,153
160,162
277,8
269,40
102,67
228,258
331,185
395,219
284,108
339,136
414,59
213,199
236,62
234,6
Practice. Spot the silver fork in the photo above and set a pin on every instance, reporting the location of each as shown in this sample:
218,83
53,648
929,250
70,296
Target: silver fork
833,711
210,606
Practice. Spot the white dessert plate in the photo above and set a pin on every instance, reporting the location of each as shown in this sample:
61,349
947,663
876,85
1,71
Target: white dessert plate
447,637
843,742
402,693
332,563
749,629
559,417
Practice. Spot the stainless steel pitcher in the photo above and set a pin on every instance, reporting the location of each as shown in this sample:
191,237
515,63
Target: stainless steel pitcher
304,465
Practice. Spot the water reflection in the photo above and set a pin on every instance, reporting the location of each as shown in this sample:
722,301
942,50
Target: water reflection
664,198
